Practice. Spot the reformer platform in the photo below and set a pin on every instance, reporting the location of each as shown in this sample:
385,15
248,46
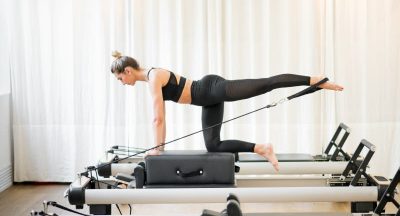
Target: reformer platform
333,161
252,174
172,169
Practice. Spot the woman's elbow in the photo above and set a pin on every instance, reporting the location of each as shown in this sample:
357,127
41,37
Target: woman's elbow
158,121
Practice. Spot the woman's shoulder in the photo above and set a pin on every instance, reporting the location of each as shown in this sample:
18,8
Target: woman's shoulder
159,70
158,74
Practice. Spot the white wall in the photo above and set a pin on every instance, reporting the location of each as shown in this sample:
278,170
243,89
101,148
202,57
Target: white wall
5,143
5,111
4,56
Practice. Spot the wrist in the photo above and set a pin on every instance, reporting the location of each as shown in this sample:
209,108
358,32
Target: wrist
159,147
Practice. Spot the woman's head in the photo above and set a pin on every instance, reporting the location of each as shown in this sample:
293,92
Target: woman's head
123,67
121,62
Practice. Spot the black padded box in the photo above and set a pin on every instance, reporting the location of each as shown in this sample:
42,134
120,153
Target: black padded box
190,169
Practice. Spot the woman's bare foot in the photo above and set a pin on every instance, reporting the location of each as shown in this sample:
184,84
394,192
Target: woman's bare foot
267,151
327,85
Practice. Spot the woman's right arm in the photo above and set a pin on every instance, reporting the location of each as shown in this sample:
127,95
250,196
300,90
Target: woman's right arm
158,111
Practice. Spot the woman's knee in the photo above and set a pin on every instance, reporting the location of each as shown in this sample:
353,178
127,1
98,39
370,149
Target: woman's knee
212,145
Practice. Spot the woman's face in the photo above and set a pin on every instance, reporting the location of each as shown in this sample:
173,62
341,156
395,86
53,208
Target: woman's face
126,77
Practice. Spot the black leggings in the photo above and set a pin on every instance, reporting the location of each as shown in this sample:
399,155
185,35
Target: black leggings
212,91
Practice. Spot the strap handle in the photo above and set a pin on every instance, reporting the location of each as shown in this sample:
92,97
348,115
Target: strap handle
198,172
311,89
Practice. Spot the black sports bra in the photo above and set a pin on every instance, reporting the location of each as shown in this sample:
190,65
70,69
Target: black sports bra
172,90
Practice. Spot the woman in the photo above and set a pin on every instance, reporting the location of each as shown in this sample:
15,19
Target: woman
210,92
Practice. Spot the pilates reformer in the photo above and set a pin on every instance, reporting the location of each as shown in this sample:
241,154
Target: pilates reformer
333,152
316,170
211,182
259,175
253,164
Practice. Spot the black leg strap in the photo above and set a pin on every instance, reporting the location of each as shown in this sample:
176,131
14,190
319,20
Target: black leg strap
311,89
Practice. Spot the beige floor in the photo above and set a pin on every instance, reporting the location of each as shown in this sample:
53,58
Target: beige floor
21,199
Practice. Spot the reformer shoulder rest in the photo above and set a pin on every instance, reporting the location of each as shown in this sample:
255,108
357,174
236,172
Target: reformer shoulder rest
190,169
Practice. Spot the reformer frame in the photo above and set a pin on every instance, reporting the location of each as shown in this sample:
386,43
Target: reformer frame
363,198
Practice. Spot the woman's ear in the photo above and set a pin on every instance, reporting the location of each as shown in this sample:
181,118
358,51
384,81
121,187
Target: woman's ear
128,70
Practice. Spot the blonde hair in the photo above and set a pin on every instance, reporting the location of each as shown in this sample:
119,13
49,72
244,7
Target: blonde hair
121,62
116,54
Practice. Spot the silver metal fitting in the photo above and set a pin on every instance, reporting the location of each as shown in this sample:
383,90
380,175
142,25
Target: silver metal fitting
45,206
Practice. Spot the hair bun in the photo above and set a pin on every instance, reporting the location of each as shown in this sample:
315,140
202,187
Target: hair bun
116,54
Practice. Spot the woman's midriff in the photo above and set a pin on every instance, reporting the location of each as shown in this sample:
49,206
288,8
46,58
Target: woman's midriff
186,97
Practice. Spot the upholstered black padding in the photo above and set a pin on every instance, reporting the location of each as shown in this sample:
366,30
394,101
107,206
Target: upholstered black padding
190,168
125,177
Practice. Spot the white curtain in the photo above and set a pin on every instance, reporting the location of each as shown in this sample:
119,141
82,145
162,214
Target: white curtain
68,108
367,61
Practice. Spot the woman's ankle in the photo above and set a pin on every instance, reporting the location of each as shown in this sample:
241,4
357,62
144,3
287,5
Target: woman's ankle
261,148
315,79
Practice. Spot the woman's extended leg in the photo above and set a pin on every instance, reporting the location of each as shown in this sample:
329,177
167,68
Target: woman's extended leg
247,88
214,89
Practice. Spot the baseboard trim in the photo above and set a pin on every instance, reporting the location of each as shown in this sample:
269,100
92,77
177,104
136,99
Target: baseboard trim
6,180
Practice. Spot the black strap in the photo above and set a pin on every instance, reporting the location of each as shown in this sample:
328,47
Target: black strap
311,89
148,72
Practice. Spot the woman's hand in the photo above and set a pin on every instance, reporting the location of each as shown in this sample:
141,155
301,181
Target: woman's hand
153,152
